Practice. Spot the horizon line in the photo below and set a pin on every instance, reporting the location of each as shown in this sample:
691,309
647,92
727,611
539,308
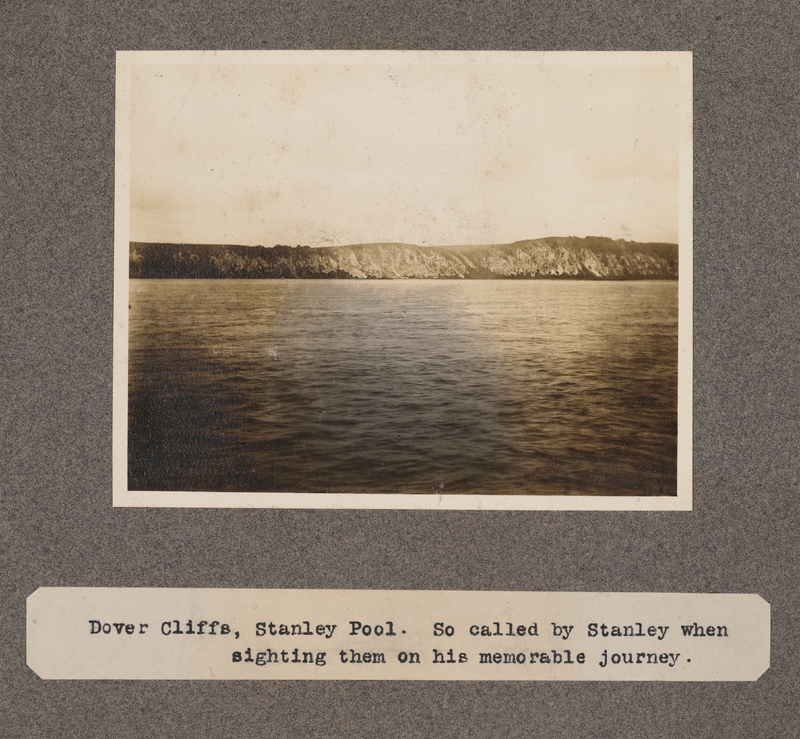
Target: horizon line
399,243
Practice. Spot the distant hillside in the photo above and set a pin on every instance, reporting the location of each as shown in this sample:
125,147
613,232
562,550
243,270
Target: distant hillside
590,258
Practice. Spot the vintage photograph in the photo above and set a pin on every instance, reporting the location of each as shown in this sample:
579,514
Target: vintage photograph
403,279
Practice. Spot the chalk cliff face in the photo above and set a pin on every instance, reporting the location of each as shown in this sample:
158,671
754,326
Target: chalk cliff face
550,258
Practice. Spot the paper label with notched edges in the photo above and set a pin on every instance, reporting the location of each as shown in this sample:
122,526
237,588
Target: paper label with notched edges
217,634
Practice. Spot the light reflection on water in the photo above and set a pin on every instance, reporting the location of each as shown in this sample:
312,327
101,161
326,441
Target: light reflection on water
513,387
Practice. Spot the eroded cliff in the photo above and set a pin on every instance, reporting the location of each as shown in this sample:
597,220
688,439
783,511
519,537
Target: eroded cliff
548,258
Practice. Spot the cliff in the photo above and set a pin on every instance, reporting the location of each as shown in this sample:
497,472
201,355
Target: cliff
549,258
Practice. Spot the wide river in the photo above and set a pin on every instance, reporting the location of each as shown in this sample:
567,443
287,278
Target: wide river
526,387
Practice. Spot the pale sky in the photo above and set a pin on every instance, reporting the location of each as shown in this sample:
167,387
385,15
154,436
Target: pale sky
466,150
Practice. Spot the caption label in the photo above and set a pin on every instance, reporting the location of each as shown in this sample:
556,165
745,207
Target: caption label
206,634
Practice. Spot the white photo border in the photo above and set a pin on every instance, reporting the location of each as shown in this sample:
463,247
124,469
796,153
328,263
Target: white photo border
123,497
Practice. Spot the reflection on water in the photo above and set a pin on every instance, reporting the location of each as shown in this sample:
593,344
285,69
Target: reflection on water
514,387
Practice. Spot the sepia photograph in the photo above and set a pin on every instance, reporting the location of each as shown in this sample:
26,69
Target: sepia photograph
395,279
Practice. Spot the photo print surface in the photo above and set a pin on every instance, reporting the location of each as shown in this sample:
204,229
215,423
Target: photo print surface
403,279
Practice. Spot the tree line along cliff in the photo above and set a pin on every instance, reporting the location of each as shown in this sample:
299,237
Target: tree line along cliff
593,258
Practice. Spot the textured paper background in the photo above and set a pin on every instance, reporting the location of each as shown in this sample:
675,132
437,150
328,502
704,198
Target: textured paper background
56,312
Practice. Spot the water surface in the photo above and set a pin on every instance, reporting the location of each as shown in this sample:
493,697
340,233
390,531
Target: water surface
523,387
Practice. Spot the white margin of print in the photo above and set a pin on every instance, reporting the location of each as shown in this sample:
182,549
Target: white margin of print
122,497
